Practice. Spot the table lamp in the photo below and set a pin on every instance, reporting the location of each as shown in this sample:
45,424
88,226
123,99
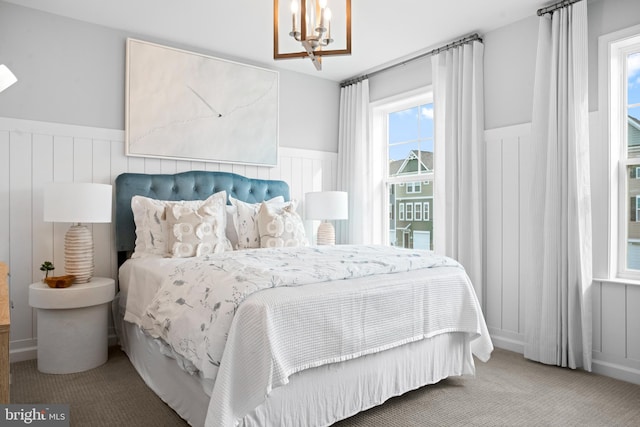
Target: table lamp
78,203
326,205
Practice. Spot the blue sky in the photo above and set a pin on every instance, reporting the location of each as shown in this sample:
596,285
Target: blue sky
410,129
633,74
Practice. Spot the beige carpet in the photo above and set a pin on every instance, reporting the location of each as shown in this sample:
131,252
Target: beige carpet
507,391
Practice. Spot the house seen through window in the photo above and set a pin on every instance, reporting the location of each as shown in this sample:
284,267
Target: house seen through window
409,180
632,105
624,138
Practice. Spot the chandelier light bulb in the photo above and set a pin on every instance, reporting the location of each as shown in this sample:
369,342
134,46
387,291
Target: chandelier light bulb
294,20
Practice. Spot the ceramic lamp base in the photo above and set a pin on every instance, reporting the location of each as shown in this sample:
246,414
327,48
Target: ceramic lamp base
326,234
78,253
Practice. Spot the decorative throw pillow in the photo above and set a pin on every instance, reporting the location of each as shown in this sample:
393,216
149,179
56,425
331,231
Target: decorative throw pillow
151,228
245,221
197,232
230,230
280,226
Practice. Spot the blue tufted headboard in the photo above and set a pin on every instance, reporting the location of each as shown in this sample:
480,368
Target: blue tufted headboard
192,185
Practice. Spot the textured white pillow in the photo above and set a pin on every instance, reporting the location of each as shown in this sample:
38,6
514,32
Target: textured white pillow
197,232
151,227
245,222
230,229
280,226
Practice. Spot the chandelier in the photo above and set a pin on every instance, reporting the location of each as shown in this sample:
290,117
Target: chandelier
311,27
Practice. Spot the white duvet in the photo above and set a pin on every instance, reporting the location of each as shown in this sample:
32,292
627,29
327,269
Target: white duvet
323,305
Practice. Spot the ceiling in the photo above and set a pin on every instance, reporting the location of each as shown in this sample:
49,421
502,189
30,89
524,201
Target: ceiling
383,32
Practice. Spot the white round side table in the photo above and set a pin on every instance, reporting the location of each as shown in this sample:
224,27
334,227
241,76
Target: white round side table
72,325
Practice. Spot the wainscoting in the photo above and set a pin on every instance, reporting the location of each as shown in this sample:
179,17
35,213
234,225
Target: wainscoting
34,153
616,306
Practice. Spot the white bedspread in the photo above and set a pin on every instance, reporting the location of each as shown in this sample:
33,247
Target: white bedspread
291,327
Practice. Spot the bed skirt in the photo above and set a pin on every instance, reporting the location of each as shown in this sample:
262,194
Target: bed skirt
315,397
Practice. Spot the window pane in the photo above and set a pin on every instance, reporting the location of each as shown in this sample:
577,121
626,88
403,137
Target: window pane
412,228
402,159
633,78
633,135
633,223
633,105
409,213
410,146
403,125
426,126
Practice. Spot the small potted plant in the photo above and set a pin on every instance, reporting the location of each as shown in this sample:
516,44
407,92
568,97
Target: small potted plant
55,282
46,267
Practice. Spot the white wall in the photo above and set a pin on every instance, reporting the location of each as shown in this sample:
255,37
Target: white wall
509,65
509,102
510,54
616,306
34,153
73,72
400,79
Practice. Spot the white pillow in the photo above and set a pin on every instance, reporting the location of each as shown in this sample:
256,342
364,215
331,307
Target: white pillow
230,230
245,222
280,226
197,232
151,228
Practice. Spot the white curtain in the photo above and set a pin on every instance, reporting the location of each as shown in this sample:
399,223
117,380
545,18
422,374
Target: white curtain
355,167
459,157
558,300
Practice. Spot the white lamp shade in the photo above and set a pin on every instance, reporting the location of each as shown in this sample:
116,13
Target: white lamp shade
326,205
77,202
7,78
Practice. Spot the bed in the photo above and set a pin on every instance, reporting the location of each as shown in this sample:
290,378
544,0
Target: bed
311,336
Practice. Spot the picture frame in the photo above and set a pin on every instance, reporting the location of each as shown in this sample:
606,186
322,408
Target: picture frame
188,106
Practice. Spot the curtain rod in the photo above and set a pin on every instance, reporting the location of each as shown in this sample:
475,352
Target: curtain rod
554,7
467,39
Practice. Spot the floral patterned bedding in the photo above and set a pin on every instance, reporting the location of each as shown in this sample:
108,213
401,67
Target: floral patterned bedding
194,311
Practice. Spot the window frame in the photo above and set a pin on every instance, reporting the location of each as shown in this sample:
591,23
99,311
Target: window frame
408,213
379,125
417,211
613,50
414,187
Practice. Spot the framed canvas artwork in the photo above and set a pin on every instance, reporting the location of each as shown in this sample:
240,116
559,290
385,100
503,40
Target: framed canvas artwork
187,106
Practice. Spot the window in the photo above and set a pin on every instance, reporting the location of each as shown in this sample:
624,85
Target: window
403,124
426,215
622,56
413,187
417,209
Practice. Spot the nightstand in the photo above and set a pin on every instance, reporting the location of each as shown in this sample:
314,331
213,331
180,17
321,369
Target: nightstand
72,325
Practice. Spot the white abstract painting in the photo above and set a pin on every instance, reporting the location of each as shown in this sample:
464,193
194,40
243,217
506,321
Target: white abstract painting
187,106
